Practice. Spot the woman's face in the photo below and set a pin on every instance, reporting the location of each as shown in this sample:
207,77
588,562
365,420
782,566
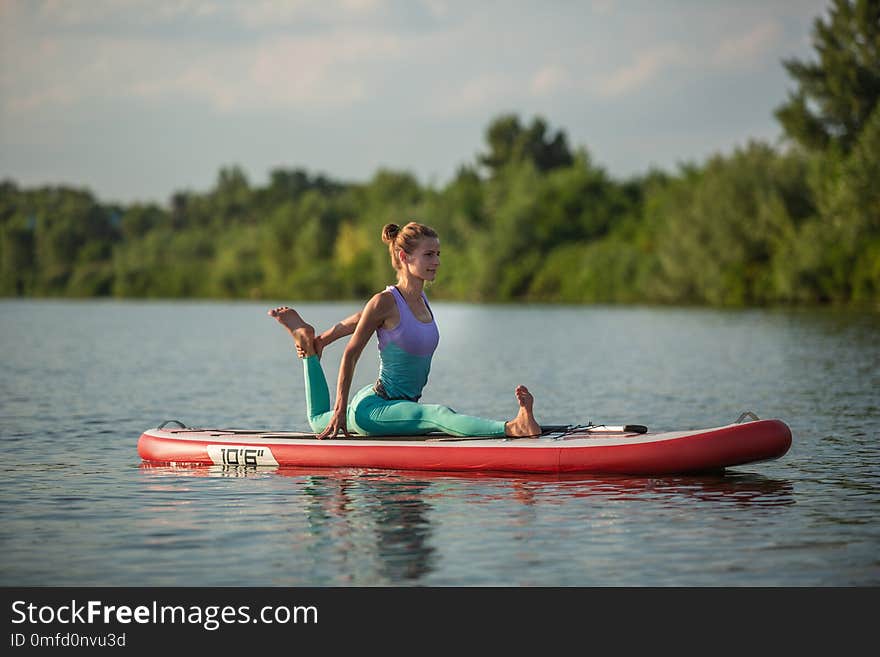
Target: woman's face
424,261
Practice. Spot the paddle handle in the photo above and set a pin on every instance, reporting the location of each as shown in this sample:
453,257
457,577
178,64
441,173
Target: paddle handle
624,428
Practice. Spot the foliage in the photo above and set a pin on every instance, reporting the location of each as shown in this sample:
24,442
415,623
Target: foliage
511,143
837,94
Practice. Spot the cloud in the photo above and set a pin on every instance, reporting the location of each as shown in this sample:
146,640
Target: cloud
644,70
309,73
94,12
55,97
483,93
271,13
252,14
284,73
437,8
549,80
425,75
478,94
603,7
747,48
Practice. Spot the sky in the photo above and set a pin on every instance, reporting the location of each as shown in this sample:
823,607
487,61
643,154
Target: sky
139,99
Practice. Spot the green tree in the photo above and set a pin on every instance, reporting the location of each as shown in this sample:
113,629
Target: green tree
578,202
509,142
836,94
16,256
720,227
289,185
71,228
166,263
236,270
503,258
835,256
139,219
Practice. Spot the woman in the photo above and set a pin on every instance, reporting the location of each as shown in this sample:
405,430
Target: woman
404,324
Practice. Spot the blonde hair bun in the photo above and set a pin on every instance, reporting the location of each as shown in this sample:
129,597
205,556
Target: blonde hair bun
390,233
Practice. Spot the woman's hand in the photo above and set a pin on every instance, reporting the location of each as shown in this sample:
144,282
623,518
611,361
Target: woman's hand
373,315
337,424
319,347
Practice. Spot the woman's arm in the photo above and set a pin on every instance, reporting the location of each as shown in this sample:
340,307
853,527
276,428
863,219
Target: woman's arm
332,334
340,329
374,314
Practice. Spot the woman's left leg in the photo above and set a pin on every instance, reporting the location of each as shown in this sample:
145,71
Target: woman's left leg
449,421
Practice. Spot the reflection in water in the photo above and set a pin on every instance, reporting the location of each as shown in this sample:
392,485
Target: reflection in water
402,527
406,486
742,489
396,514
379,524
336,502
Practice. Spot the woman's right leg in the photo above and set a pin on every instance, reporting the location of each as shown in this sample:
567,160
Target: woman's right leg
317,393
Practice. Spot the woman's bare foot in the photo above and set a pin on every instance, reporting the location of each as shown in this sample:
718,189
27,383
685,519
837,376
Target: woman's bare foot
524,424
303,334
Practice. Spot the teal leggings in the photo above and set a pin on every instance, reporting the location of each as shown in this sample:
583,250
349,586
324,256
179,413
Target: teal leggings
372,415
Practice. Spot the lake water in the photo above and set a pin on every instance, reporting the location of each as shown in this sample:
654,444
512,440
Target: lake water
79,382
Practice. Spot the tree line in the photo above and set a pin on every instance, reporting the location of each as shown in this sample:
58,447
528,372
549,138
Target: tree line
531,219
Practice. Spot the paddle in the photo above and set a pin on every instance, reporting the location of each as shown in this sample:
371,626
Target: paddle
554,431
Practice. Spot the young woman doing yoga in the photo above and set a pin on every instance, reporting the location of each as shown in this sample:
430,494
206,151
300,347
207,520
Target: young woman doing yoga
407,332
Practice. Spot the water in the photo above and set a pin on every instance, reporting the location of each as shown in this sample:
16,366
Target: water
79,382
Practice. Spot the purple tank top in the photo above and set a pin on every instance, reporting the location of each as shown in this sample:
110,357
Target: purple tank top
412,335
